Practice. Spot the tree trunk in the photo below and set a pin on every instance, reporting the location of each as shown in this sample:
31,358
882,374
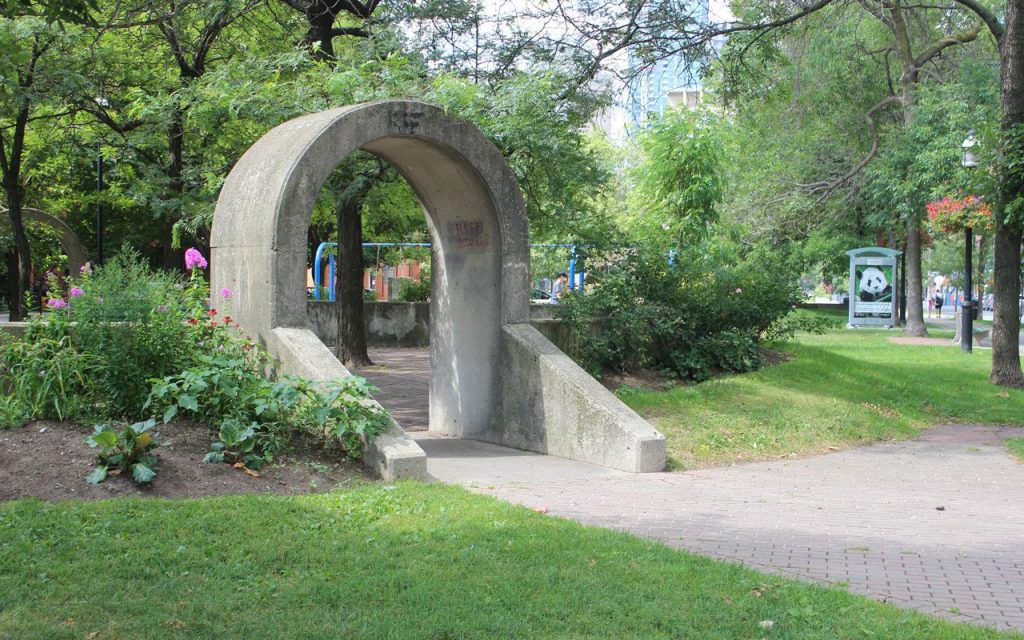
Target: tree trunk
1006,369
351,341
908,83
174,258
12,277
915,304
21,247
321,25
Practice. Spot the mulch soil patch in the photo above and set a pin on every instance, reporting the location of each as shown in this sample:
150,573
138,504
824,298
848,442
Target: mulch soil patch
652,380
50,460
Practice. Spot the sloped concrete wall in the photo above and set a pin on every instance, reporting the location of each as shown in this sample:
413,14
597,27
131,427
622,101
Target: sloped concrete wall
553,406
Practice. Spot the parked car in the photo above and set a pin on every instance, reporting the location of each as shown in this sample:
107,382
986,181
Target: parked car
540,296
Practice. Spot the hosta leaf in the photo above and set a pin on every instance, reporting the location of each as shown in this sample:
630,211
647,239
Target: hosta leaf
105,439
170,412
141,473
189,402
98,475
214,457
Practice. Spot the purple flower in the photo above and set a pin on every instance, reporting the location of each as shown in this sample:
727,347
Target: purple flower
86,269
42,373
225,293
194,259
76,292
57,303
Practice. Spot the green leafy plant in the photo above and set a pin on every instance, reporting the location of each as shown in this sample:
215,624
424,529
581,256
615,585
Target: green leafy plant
231,392
236,445
698,315
133,319
415,291
124,452
45,375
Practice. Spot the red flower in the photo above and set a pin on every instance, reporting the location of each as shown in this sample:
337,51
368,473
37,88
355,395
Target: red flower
212,312
228,320
191,320
213,324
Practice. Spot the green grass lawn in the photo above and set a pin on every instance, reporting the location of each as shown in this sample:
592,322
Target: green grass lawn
839,389
412,561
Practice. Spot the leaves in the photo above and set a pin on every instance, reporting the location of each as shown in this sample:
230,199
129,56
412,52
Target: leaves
98,475
142,473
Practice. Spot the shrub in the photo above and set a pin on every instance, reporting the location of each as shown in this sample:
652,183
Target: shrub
690,318
134,320
226,389
44,375
412,291
125,451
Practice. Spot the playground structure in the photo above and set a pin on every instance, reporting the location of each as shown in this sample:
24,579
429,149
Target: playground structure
576,277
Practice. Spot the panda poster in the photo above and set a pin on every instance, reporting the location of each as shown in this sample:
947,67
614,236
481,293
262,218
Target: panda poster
873,297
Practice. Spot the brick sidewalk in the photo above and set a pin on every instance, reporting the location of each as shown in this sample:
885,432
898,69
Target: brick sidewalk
934,524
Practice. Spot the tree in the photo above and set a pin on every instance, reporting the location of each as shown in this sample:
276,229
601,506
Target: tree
36,74
321,16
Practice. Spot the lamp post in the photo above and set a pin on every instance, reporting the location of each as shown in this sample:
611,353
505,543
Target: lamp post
103,104
969,161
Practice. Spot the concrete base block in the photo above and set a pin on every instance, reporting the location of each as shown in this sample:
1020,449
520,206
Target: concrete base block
552,406
392,454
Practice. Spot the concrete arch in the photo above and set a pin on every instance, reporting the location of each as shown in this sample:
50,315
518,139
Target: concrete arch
486,361
73,247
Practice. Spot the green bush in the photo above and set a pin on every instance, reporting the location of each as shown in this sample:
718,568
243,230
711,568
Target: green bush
226,388
133,319
412,291
691,318
44,375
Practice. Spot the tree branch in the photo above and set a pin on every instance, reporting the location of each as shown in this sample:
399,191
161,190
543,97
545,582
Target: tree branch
949,41
986,16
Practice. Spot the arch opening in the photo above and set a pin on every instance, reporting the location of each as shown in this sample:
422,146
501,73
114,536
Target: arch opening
492,376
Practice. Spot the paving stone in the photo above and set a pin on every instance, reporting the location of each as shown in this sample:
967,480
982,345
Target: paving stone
864,516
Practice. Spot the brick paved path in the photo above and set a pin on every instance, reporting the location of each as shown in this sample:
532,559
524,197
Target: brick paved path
935,524
403,376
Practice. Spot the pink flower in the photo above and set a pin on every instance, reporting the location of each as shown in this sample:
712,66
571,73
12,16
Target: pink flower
76,292
194,259
57,303
225,293
86,269
738,290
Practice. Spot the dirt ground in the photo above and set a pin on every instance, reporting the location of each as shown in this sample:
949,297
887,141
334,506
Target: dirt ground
651,380
50,460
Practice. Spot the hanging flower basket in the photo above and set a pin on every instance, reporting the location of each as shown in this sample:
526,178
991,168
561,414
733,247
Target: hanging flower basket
953,215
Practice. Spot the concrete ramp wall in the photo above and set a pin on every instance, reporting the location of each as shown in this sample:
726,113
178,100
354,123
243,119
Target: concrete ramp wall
553,406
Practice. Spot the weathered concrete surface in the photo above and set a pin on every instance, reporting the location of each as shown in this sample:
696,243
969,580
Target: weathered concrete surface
73,247
480,260
406,325
387,324
553,406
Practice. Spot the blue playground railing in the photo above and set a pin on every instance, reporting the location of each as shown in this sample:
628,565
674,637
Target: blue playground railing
575,279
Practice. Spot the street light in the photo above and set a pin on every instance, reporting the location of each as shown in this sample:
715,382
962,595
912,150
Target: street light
103,104
969,161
